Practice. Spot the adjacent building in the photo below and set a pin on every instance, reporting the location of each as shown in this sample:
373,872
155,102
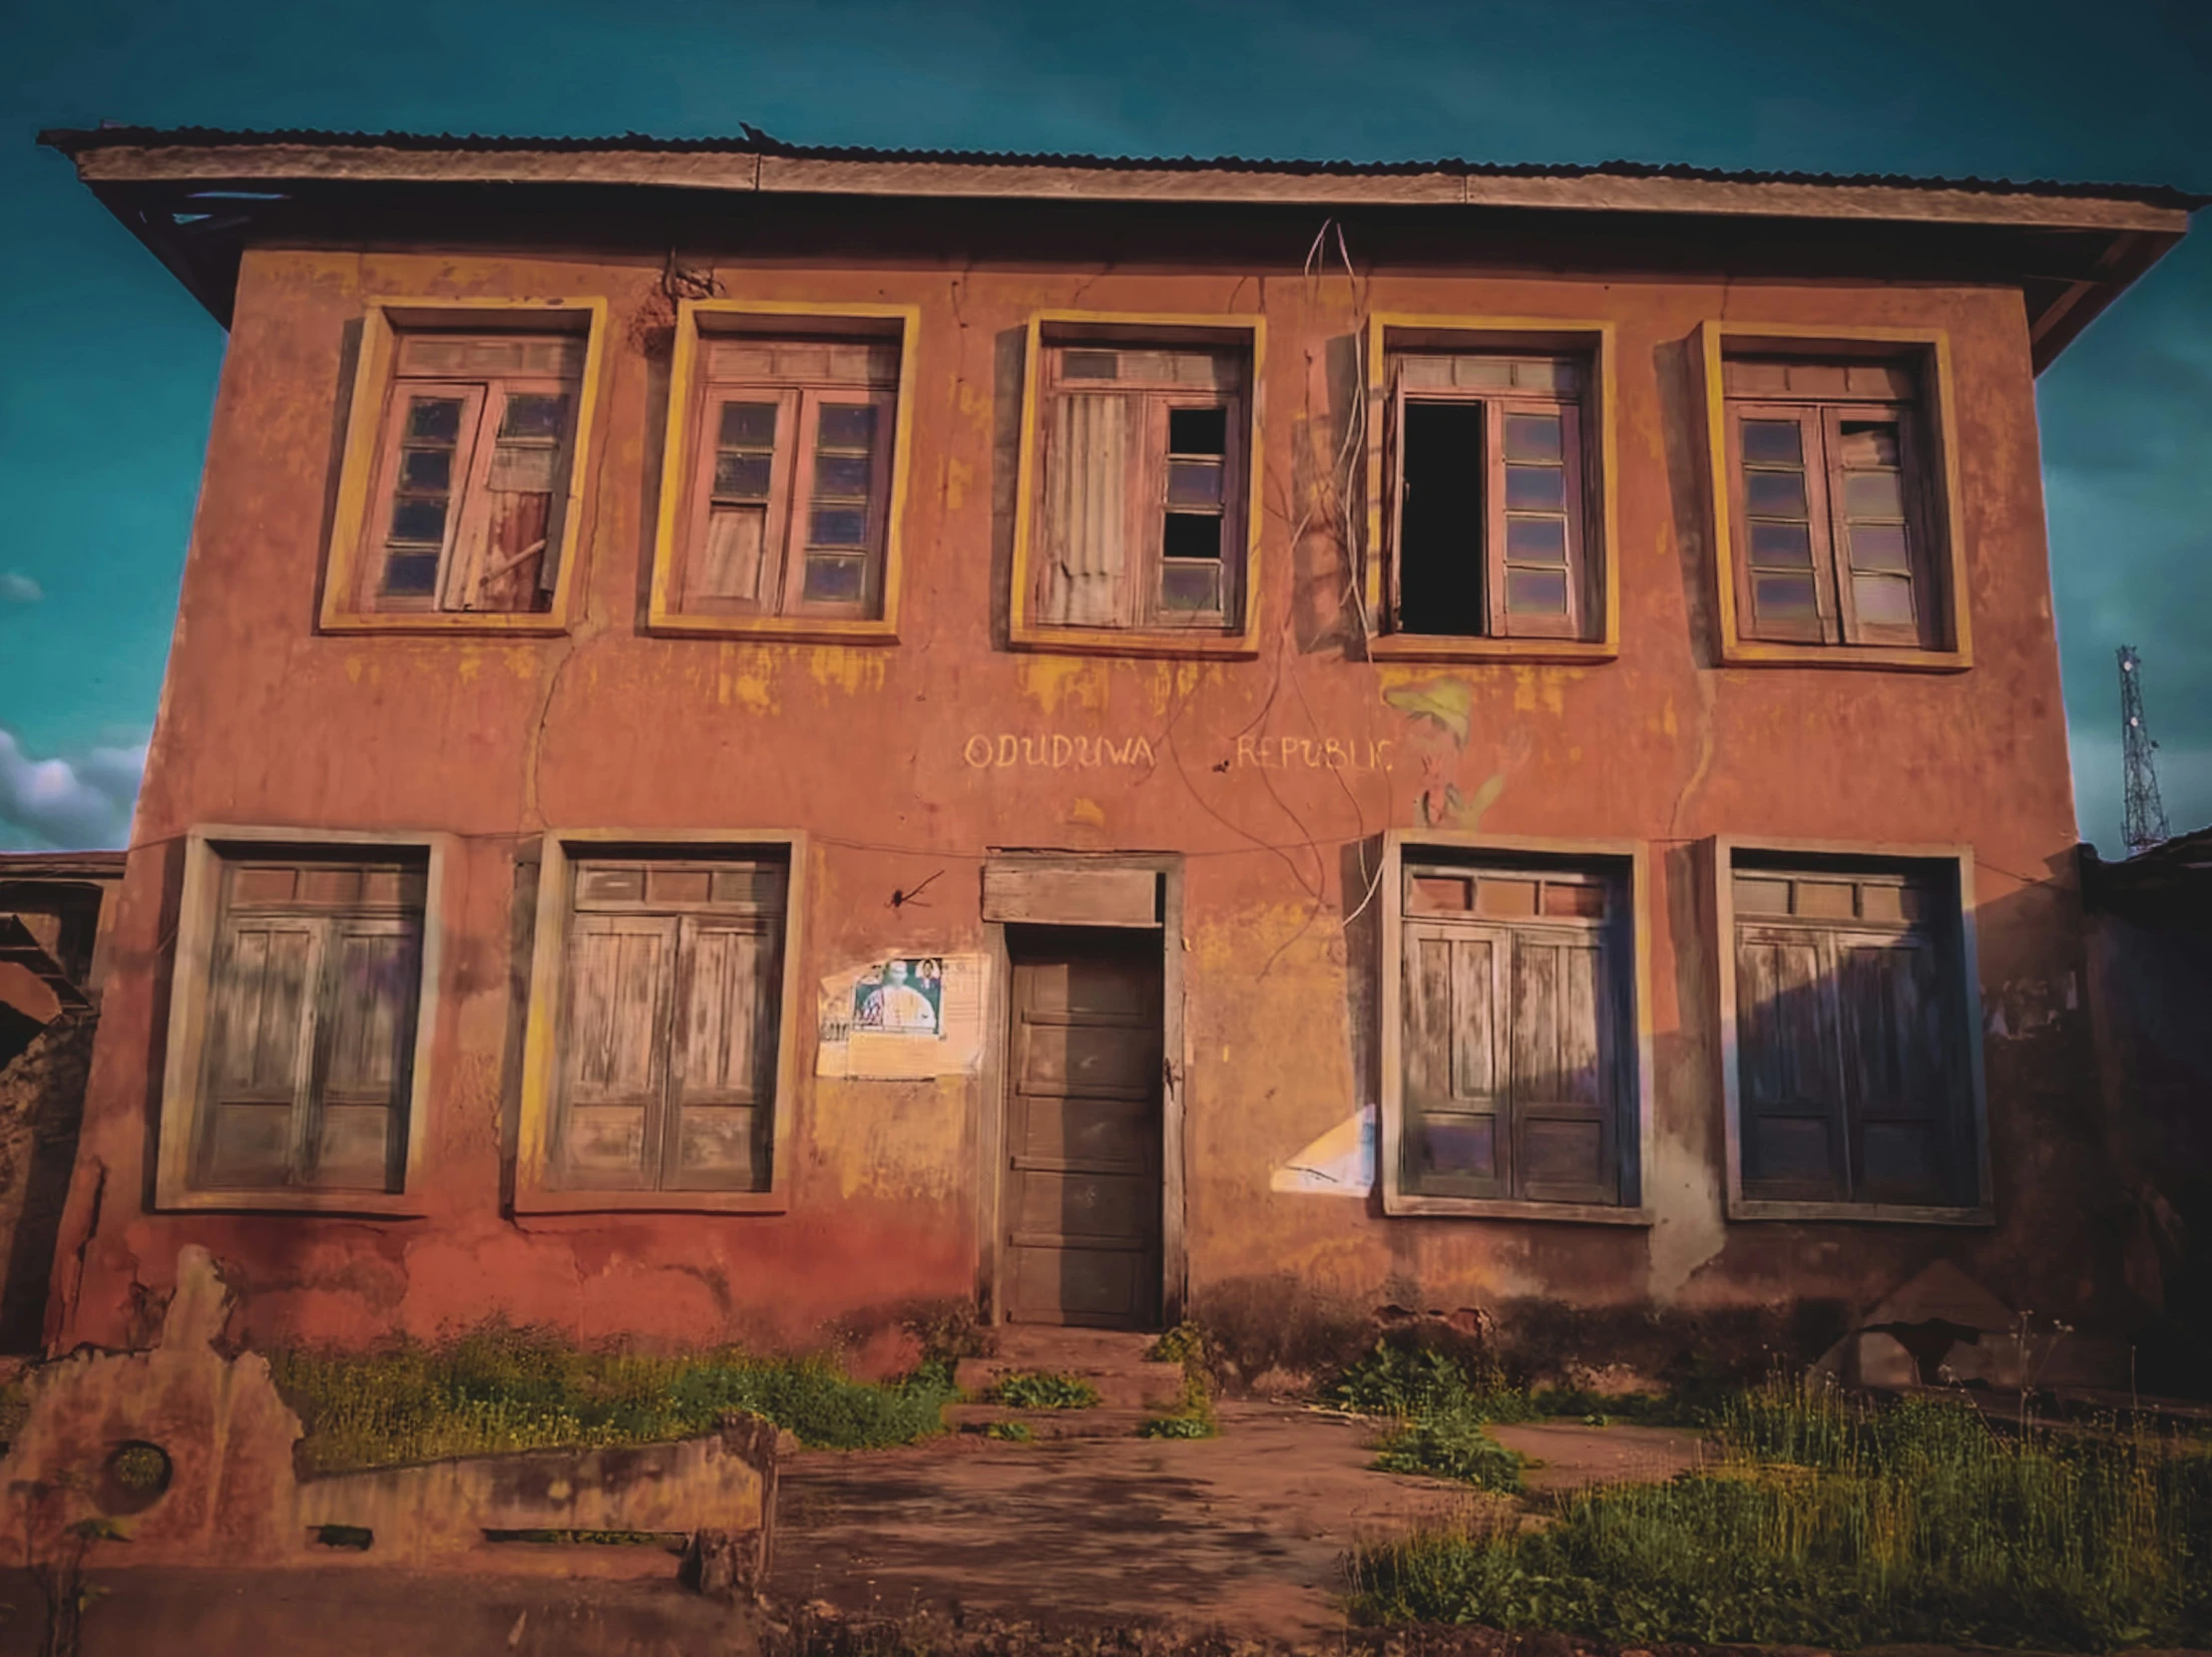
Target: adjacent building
758,738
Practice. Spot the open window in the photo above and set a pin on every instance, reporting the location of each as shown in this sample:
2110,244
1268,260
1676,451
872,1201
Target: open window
1512,1059
661,1027
1852,1066
299,1022
780,489
460,503
1834,495
1138,512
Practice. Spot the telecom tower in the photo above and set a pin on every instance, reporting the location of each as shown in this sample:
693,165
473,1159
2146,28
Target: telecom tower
2144,816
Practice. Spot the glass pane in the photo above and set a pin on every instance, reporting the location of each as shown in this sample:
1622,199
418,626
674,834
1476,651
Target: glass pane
1191,535
532,414
420,521
1874,494
1189,586
1535,539
1882,601
411,572
1788,545
839,527
1194,483
1535,593
1869,443
847,426
742,477
1784,598
835,579
426,471
1775,442
842,475
1534,437
434,419
1775,494
1536,487
748,426
1090,365
1197,431
1879,546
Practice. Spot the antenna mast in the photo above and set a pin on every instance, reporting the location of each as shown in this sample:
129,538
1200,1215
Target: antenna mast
2143,814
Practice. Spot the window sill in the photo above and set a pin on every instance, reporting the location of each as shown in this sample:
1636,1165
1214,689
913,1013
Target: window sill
1400,1204
1759,653
1869,1213
390,1205
1135,642
530,624
1415,647
784,630
542,1201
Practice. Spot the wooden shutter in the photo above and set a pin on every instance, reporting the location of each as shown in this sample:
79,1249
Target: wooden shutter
1091,450
1786,1056
1785,563
1456,1140
844,496
1535,518
741,501
428,454
369,983
1886,590
262,1039
510,519
1897,1087
622,971
722,1081
1563,1105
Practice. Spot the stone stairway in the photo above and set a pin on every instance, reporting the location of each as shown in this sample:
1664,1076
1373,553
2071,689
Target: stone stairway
1131,1387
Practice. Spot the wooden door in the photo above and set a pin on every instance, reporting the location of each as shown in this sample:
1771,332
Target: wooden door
1081,1209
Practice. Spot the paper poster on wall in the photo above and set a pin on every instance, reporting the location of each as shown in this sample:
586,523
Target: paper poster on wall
902,1019
1341,1163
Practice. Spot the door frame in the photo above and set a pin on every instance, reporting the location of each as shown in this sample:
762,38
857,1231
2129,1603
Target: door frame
1039,906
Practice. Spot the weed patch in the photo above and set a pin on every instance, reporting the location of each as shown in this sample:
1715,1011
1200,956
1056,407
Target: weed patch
1452,1447
1010,1433
1044,1389
1192,1417
1834,1524
501,1389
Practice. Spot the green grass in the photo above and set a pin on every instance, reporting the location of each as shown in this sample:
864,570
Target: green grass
500,1388
1193,1416
1044,1389
1451,1446
1010,1433
1830,1522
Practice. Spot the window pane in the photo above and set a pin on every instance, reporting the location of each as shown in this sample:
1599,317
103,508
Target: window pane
406,572
1090,365
847,426
1882,601
419,521
1874,494
1192,535
835,579
748,426
434,419
1773,442
1788,545
1537,540
1867,443
1194,483
426,471
842,475
1534,437
839,527
1189,587
1536,487
1784,598
1535,593
1775,494
532,414
742,477
1879,546
1197,431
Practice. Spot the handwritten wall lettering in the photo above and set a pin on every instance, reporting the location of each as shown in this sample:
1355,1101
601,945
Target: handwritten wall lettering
1286,754
1056,751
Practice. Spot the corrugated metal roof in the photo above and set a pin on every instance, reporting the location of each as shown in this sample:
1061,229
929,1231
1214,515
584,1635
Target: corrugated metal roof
751,140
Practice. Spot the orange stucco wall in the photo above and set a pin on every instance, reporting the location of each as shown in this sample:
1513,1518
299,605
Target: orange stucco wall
870,749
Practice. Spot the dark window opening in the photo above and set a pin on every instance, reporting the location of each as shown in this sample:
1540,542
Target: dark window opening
1440,526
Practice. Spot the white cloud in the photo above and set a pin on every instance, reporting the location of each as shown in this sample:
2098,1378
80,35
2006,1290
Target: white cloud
19,589
73,803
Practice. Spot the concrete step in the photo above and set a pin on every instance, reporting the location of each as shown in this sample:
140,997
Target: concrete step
1104,1421
1113,1361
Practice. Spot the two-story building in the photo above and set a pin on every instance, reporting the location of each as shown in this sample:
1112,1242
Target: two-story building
762,736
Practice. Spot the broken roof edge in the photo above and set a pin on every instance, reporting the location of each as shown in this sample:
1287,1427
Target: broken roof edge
759,162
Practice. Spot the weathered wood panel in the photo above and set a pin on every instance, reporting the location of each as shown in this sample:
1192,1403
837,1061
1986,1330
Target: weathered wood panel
1045,894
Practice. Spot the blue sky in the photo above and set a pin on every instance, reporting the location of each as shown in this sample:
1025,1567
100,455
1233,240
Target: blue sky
111,369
